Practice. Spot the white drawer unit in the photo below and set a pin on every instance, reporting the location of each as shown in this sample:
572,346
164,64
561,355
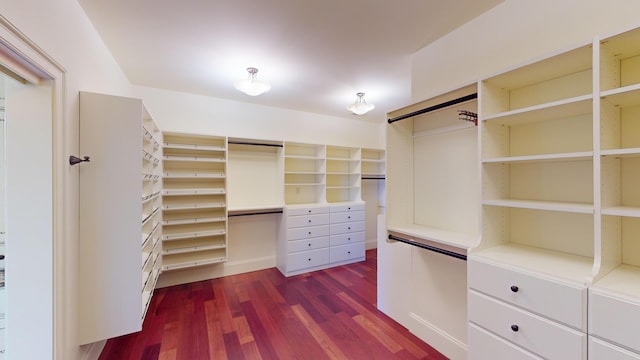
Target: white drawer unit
558,301
486,345
602,350
350,253
347,216
307,232
307,259
307,210
307,220
615,319
348,238
541,336
315,237
344,228
308,244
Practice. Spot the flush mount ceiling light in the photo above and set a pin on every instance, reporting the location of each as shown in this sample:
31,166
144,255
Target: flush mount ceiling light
360,107
252,86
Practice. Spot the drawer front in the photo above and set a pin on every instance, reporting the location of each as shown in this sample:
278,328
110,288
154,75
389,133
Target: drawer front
600,350
542,337
307,220
307,210
347,207
308,232
484,345
350,238
615,319
347,252
308,244
307,259
343,217
561,302
345,228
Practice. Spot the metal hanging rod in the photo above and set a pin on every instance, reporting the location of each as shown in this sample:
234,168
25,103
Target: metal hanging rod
254,143
257,213
373,178
429,247
434,107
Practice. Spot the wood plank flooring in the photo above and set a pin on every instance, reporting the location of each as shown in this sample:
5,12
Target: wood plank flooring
329,314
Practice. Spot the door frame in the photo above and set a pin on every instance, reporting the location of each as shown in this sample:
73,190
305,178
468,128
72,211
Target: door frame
31,64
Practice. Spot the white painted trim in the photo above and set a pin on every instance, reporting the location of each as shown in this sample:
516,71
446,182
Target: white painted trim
93,350
449,346
177,277
28,53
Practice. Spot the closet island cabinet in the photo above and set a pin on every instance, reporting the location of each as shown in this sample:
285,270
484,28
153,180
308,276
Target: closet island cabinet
323,220
119,215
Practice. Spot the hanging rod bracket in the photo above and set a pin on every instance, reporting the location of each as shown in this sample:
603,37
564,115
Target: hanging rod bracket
76,160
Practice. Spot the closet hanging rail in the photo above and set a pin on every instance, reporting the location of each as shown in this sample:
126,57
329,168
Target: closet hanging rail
256,213
429,247
254,143
434,107
373,178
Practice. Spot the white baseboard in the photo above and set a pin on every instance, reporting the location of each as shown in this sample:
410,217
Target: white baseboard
184,276
92,351
449,346
371,244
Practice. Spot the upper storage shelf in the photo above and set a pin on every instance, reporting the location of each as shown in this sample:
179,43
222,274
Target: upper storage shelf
560,77
620,61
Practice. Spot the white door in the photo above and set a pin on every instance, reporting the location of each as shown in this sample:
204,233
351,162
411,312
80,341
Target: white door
28,220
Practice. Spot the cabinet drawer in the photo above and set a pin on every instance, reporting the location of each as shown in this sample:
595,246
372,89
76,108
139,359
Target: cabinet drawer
307,259
308,244
562,302
307,232
347,252
343,217
600,350
484,345
345,228
307,210
615,319
542,337
349,238
347,207
307,220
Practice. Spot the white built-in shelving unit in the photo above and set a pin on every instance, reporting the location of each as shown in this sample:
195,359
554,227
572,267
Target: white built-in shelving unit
304,173
194,200
119,215
539,196
614,298
560,159
343,174
432,203
372,164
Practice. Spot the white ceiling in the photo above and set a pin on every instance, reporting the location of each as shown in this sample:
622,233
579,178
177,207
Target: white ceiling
316,54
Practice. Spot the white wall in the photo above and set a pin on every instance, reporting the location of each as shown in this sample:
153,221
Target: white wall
181,112
514,32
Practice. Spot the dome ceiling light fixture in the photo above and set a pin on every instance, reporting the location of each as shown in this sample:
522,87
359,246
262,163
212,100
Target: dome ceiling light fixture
252,86
360,107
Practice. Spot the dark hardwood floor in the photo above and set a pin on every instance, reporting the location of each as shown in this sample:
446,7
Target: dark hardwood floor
329,314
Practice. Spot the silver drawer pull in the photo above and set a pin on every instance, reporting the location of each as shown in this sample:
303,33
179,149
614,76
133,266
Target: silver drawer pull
514,288
515,328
